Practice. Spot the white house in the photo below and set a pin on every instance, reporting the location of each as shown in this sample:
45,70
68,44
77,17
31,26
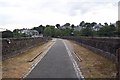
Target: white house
64,27
28,32
97,27
77,28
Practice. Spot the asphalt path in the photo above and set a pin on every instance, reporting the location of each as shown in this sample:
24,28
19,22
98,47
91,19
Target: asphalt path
55,64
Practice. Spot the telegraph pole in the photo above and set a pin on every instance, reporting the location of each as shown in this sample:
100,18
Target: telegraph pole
118,50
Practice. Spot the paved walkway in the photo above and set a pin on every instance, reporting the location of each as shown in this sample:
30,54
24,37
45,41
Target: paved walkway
56,64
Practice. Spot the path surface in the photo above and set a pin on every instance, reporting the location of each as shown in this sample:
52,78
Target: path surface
56,64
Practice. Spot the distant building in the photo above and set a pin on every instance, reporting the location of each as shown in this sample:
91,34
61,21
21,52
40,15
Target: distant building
77,28
113,24
64,27
40,35
97,27
30,33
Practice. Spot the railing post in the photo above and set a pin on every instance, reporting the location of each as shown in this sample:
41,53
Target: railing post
118,63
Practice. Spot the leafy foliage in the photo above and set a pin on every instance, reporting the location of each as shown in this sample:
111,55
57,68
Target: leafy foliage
40,29
85,29
67,24
107,30
47,31
58,26
118,28
7,34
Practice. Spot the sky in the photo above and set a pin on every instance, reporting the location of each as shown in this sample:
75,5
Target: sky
17,14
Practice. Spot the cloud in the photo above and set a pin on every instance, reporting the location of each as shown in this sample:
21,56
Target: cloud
30,13
87,6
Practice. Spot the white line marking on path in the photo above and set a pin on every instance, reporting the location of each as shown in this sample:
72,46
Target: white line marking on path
77,70
34,65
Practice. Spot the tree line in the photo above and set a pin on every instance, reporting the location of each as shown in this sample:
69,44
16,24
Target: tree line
85,29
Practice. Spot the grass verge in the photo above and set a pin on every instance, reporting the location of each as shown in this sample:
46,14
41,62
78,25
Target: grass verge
94,65
16,66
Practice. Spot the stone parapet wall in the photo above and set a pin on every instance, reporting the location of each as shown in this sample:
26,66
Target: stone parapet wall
106,46
12,46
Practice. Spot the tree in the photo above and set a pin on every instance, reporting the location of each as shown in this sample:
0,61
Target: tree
16,33
47,25
37,28
87,25
67,24
76,33
73,26
58,26
118,28
106,24
41,29
82,24
58,33
52,30
47,32
87,29
93,24
86,32
107,30
112,30
66,32
7,34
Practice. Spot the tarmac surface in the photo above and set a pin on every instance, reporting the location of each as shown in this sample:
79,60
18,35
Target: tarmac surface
55,64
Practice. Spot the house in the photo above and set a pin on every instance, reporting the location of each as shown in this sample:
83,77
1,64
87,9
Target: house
97,27
64,27
77,28
30,33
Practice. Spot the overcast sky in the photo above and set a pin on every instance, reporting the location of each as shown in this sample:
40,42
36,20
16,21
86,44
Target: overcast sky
30,13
